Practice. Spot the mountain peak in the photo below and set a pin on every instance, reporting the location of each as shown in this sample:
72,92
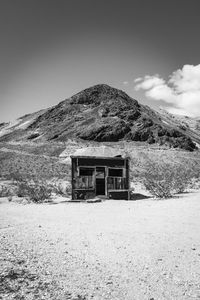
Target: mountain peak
101,87
100,113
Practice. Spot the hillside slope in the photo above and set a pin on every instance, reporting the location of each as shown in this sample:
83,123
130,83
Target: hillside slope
100,113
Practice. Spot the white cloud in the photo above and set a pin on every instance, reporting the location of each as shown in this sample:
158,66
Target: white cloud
161,92
182,90
148,82
125,82
187,79
138,79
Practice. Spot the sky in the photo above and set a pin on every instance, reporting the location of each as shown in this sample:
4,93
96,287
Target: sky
52,49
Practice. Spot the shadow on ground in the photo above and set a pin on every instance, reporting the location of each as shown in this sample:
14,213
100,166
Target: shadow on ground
138,196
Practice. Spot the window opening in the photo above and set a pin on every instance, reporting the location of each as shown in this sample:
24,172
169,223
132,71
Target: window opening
85,180
115,172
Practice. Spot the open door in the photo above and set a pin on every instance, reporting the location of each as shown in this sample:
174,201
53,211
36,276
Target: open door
100,181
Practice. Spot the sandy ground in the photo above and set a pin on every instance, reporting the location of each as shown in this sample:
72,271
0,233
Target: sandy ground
132,250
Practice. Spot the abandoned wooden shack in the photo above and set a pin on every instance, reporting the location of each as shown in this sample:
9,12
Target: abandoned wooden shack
99,171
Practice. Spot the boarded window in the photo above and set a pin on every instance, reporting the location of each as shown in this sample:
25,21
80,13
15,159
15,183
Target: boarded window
115,172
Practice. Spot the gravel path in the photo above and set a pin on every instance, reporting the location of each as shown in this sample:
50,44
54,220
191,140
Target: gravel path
112,250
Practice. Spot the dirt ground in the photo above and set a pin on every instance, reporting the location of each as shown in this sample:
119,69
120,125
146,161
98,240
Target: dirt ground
145,249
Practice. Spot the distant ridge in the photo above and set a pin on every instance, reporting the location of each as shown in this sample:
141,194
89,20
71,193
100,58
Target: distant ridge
102,113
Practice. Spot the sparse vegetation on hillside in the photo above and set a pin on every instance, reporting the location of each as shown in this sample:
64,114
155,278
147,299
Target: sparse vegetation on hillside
35,166
43,149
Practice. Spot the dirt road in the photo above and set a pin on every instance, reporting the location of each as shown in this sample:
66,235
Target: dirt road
123,250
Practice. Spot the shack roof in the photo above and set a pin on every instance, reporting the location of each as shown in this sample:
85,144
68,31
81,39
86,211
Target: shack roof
101,151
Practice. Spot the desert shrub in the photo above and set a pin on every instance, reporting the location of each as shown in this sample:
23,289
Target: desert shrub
158,180
163,179
182,178
33,189
38,190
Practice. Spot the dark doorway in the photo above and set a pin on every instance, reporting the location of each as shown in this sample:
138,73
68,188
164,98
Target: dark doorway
100,181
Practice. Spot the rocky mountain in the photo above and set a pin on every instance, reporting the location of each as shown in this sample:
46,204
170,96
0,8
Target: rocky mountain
102,113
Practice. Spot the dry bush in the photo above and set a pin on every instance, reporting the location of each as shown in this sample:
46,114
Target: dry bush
158,180
165,172
163,179
182,178
33,189
38,190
